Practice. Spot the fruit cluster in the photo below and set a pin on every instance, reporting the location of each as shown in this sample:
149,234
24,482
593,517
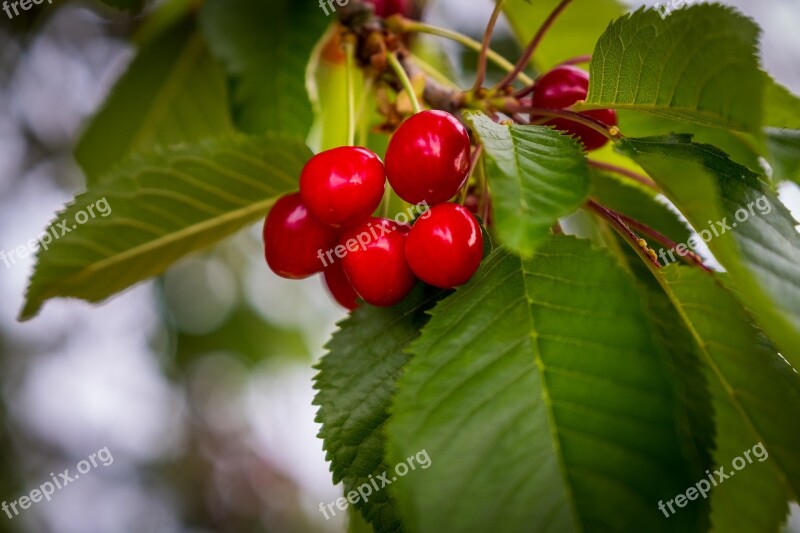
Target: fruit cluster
380,260
562,87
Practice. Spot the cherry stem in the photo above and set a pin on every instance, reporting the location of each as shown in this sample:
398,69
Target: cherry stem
644,180
431,71
579,60
351,96
410,26
487,39
612,133
624,231
690,257
405,81
528,54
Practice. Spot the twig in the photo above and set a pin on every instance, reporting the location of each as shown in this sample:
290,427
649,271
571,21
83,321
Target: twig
480,76
644,180
625,232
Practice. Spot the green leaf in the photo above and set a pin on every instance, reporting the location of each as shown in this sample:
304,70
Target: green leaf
162,206
698,65
637,202
574,33
761,250
756,400
537,392
781,107
537,176
784,148
173,92
265,47
356,381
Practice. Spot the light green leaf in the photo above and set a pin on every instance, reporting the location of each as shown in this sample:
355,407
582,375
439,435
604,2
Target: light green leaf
537,176
574,33
698,65
173,92
781,107
265,47
162,206
756,400
761,250
542,402
356,381
784,148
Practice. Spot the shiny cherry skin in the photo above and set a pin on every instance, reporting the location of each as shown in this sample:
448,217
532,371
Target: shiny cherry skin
445,246
428,158
343,186
562,87
387,8
339,286
375,261
293,239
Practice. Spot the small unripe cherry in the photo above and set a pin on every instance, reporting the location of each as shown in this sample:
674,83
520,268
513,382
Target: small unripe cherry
293,239
428,158
445,246
375,261
343,186
340,287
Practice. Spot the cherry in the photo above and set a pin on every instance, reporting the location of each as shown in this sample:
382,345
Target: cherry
428,158
387,8
339,286
375,261
445,246
293,239
562,87
343,186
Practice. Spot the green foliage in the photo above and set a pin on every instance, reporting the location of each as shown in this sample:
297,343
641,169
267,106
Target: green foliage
355,384
760,248
537,174
548,361
265,47
679,69
174,92
163,206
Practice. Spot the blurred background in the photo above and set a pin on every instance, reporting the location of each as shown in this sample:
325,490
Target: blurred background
199,382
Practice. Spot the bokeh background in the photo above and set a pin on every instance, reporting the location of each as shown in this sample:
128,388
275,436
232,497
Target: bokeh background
199,382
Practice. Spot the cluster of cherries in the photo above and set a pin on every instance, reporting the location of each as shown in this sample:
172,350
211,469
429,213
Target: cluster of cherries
559,89
328,226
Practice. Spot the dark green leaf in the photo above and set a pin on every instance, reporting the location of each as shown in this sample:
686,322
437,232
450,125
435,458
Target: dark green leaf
158,208
542,402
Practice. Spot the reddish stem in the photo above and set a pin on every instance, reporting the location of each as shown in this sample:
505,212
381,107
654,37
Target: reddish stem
626,232
644,180
589,122
579,60
487,39
689,257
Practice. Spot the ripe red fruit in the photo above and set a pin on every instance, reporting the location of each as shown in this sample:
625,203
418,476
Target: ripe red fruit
343,186
339,286
293,239
561,88
428,158
445,248
375,261
387,8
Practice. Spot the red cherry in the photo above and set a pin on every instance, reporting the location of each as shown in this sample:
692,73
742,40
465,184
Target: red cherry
343,186
294,240
428,158
387,8
562,87
339,286
445,246
375,261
